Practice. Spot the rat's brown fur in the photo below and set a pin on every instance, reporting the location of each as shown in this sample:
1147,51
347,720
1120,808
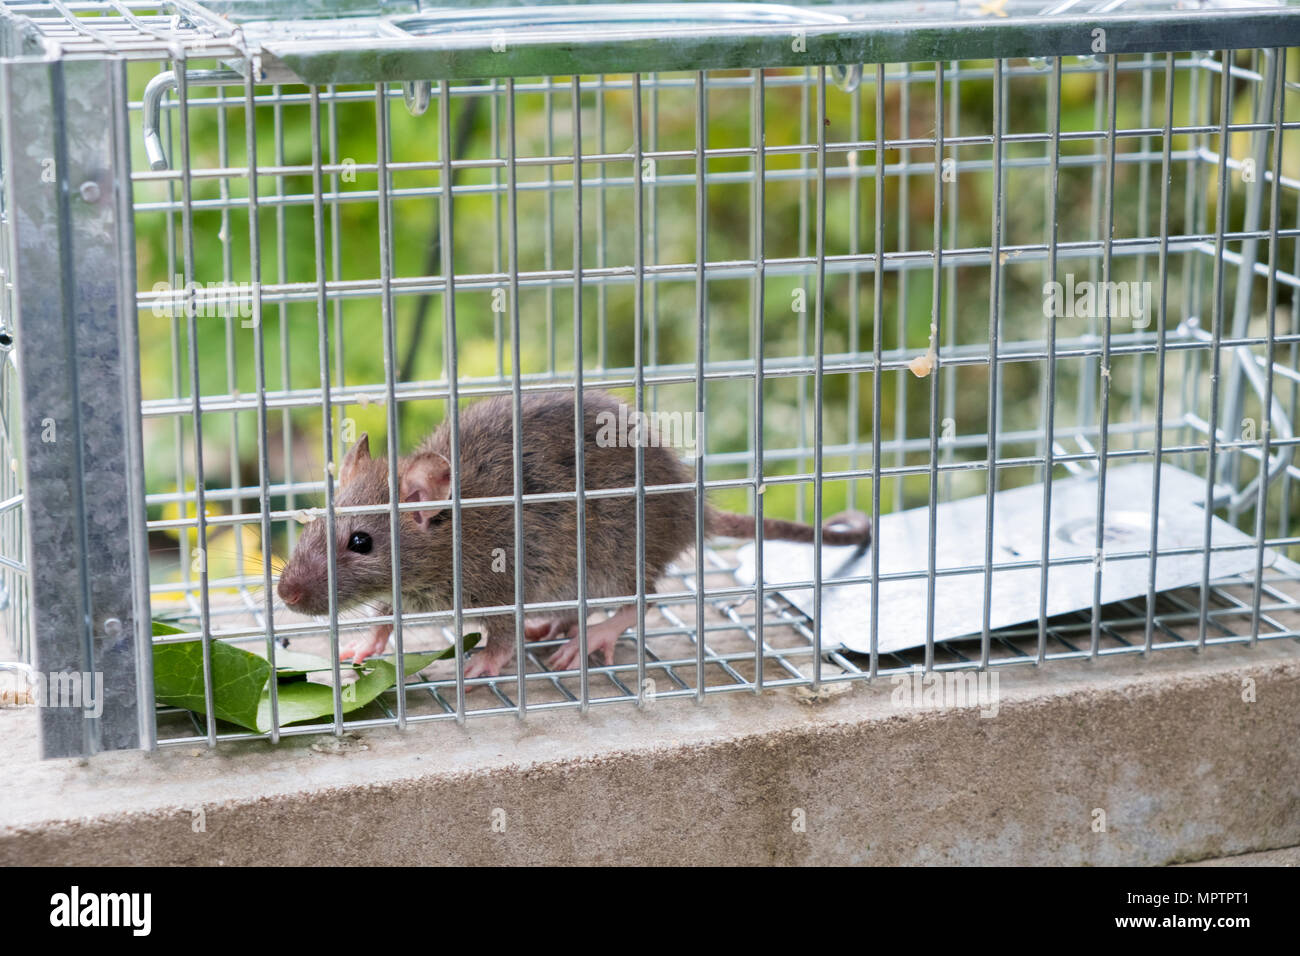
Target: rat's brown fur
550,528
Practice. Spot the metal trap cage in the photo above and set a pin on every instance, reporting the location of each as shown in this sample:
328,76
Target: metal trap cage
985,271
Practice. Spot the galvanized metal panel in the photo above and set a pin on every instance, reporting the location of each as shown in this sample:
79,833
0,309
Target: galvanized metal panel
73,293
432,51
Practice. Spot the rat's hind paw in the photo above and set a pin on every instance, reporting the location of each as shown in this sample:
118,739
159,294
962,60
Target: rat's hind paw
601,638
485,664
548,629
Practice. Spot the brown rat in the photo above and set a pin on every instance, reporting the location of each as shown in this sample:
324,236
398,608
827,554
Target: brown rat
549,534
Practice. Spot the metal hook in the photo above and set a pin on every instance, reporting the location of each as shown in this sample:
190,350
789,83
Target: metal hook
848,76
417,94
158,87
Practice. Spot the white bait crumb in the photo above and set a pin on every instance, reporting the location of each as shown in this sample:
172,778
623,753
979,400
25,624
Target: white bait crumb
306,515
923,365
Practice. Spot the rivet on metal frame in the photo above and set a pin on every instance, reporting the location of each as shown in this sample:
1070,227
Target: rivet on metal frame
89,191
848,76
417,94
6,338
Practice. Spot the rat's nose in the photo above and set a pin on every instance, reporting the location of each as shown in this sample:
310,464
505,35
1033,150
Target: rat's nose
290,593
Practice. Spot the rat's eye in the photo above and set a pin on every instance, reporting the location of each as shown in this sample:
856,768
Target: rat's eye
360,542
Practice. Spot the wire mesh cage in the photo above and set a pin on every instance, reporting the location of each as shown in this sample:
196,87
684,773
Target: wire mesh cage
980,272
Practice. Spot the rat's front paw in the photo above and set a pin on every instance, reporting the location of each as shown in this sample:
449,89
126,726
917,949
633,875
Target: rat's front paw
358,650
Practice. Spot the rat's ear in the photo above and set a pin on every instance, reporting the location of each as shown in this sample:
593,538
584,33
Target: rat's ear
426,478
357,456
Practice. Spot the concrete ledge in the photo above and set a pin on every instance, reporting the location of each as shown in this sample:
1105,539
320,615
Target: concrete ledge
1183,768
1288,856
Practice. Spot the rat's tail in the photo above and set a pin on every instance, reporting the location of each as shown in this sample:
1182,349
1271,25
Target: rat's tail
847,527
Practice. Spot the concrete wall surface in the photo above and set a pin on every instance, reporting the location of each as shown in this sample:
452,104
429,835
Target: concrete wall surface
1181,757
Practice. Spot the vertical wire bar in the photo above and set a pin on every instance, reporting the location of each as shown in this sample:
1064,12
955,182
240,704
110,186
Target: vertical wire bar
855,200
936,300
1162,267
498,323
1220,228
1049,388
1143,225
259,361
453,388
1200,113
758,130
701,347
638,358
995,305
178,425
327,420
336,242
653,343
602,323
196,412
1275,212
877,346
232,379
548,249
904,245
282,276
1103,435
579,412
1284,503
819,388
1000,406
516,408
801,463
1192,208
383,146
950,384
1087,385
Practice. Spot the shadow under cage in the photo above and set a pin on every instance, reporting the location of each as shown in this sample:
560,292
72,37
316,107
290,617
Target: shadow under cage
977,275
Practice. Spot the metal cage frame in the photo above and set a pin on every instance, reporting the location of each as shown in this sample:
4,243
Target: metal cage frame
75,555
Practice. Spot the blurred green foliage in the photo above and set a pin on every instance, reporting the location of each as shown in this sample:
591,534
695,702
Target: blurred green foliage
348,258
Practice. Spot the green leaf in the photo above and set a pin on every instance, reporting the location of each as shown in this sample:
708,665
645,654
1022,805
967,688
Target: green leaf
163,629
308,700
297,664
241,681
238,680
467,642
416,662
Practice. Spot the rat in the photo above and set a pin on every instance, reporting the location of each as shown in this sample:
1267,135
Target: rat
486,453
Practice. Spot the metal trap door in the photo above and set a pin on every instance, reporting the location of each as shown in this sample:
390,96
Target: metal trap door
958,584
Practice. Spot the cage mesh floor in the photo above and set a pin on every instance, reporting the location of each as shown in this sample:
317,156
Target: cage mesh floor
732,664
